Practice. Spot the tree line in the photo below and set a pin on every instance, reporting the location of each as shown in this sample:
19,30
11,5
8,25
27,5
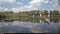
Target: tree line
35,12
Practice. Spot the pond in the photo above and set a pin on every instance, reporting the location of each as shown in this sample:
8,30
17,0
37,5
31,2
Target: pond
50,25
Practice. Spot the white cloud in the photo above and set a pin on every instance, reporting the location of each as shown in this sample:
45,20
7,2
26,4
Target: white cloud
55,4
28,8
38,2
50,2
0,3
10,1
23,8
6,9
1,9
35,2
46,1
15,10
19,3
0,0
31,5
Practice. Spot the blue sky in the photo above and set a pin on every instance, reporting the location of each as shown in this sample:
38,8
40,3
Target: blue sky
24,5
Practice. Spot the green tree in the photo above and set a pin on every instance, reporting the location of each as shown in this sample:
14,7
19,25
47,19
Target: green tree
55,12
2,16
45,12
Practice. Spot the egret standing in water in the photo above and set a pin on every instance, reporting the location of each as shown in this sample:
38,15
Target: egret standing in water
33,17
48,15
40,15
40,21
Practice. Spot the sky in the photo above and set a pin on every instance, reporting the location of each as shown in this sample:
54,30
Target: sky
27,5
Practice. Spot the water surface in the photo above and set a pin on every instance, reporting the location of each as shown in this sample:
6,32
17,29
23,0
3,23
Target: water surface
50,25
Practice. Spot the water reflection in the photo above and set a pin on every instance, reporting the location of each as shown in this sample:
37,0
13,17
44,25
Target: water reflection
55,20
42,25
46,20
38,20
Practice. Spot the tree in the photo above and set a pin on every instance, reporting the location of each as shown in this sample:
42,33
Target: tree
45,12
55,12
51,12
2,16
